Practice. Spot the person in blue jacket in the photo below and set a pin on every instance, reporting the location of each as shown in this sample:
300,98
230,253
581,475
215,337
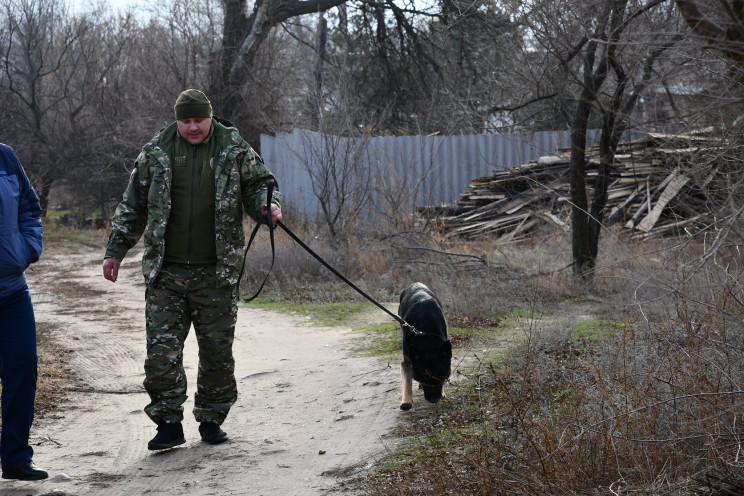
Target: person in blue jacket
20,245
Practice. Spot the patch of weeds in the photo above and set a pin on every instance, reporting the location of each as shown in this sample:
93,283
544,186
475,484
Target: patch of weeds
516,316
491,320
385,340
66,239
440,446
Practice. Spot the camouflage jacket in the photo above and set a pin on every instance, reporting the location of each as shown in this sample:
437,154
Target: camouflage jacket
240,179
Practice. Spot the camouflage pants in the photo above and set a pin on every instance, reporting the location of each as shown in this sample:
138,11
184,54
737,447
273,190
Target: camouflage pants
183,295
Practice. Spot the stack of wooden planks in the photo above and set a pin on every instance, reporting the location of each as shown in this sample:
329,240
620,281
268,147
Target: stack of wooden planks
660,184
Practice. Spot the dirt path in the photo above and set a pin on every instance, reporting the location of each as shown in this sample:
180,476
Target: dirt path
307,411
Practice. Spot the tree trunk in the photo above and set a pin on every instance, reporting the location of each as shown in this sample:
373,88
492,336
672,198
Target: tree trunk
607,145
583,262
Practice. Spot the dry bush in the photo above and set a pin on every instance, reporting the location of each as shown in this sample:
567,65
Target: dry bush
475,280
472,281
298,276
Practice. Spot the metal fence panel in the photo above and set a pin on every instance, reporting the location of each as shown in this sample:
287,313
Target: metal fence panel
425,170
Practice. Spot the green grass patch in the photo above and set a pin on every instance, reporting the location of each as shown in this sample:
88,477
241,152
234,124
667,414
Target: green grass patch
56,214
379,340
321,314
382,340
595,329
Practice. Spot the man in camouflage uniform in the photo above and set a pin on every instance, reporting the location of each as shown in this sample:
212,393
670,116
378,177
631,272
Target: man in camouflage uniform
187,193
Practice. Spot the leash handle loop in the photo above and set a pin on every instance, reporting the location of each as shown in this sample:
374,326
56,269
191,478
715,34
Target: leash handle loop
270,224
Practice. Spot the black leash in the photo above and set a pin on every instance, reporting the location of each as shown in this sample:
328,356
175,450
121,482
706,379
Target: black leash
319,259
292,235
264,218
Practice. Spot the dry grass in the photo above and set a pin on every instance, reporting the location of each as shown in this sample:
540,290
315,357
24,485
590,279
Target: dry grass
55,374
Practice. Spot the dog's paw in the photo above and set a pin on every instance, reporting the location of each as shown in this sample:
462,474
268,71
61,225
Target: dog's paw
406,406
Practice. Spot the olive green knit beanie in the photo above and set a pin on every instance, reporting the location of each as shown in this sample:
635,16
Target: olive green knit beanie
192,104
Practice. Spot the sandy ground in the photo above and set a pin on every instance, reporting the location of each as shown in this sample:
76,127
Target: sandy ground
308,415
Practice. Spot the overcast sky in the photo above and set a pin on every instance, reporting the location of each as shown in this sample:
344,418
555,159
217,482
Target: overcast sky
86,5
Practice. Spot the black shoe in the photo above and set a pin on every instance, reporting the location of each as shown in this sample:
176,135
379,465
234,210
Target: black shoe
211,433
25,471
168,436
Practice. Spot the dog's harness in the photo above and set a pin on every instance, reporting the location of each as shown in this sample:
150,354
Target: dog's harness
268,220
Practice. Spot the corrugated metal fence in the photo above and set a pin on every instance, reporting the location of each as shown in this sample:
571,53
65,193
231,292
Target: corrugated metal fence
393,172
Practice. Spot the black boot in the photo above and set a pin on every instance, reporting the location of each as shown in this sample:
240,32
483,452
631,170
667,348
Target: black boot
211,433
168,436
25,471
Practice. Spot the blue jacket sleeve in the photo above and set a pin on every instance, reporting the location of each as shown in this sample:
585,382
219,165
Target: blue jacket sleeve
29,216
20,219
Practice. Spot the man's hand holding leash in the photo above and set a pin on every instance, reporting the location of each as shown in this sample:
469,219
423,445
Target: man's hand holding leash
276,213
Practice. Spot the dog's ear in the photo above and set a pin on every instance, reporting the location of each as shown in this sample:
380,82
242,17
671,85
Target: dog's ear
447,349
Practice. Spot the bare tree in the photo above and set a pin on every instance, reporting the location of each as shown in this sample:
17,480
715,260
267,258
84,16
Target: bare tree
340,179
721,25
604,55
381,44
38,68
242,36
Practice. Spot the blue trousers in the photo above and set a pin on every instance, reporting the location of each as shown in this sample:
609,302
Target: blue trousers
18,360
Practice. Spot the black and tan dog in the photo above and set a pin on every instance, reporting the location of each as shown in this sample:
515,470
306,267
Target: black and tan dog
427,351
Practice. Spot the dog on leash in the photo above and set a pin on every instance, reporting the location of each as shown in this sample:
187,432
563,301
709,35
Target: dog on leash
427,350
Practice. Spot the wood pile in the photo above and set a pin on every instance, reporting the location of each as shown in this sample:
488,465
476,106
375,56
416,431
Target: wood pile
660,184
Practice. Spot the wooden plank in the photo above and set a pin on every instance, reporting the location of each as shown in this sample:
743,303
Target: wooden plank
673,226
553,159
486,196
645,205
630,197
549,216
522,227
514,207
633,180
492,224
667,195
644,180
616,193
